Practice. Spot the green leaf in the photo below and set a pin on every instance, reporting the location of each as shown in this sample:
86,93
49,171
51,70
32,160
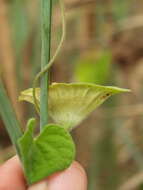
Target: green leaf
93,67
9,118
51,151
69,104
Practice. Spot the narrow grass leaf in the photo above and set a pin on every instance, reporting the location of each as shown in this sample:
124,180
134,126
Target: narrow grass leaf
9,117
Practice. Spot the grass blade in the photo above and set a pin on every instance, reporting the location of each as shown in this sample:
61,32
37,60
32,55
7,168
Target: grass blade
9,117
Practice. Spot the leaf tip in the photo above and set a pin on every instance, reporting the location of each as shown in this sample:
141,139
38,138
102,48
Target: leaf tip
116,90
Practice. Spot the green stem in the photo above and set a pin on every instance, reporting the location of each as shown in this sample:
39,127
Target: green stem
9,118
46,15
46,68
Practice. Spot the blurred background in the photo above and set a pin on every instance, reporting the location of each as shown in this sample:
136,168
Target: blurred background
104,45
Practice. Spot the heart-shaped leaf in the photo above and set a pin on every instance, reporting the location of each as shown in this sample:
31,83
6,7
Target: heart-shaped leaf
69,104
51,151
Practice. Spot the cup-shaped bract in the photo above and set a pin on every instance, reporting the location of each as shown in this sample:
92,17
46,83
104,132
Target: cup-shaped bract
70,103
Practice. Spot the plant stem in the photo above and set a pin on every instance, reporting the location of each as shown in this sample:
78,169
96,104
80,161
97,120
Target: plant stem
46,16
9,118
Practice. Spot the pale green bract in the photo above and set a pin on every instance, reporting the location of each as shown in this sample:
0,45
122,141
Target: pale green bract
51,151
69,103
